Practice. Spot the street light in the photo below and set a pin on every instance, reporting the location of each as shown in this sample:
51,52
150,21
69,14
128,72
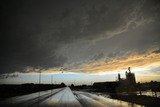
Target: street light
51,79
40,77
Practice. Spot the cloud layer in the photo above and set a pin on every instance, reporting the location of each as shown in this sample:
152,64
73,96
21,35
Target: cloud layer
64,34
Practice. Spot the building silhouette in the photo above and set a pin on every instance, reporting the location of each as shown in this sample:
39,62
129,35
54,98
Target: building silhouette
123,84
129,80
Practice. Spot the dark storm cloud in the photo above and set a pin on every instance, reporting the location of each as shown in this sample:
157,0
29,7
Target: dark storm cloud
4,76
97,57
157,51
33,30
127,28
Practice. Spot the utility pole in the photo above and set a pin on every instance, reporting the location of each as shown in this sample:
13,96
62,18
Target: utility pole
91,82
74,82
51,79
40,77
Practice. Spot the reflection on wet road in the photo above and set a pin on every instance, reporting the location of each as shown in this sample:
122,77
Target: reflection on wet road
63,97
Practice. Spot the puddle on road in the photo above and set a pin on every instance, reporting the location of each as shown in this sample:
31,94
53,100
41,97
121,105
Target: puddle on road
105,101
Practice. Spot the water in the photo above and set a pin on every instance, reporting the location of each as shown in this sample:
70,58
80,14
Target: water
149,93
98,100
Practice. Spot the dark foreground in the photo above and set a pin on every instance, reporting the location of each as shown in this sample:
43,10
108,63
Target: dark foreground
63,97
7,91
139,99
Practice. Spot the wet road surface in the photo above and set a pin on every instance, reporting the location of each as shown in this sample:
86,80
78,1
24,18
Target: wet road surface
63,97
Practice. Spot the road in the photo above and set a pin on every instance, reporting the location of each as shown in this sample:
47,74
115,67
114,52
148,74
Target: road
63,97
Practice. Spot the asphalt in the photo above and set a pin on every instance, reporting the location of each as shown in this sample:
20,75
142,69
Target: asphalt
63,97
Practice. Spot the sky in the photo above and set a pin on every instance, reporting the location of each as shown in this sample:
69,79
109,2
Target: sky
79,40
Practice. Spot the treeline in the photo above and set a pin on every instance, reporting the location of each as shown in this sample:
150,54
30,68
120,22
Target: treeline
117,87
